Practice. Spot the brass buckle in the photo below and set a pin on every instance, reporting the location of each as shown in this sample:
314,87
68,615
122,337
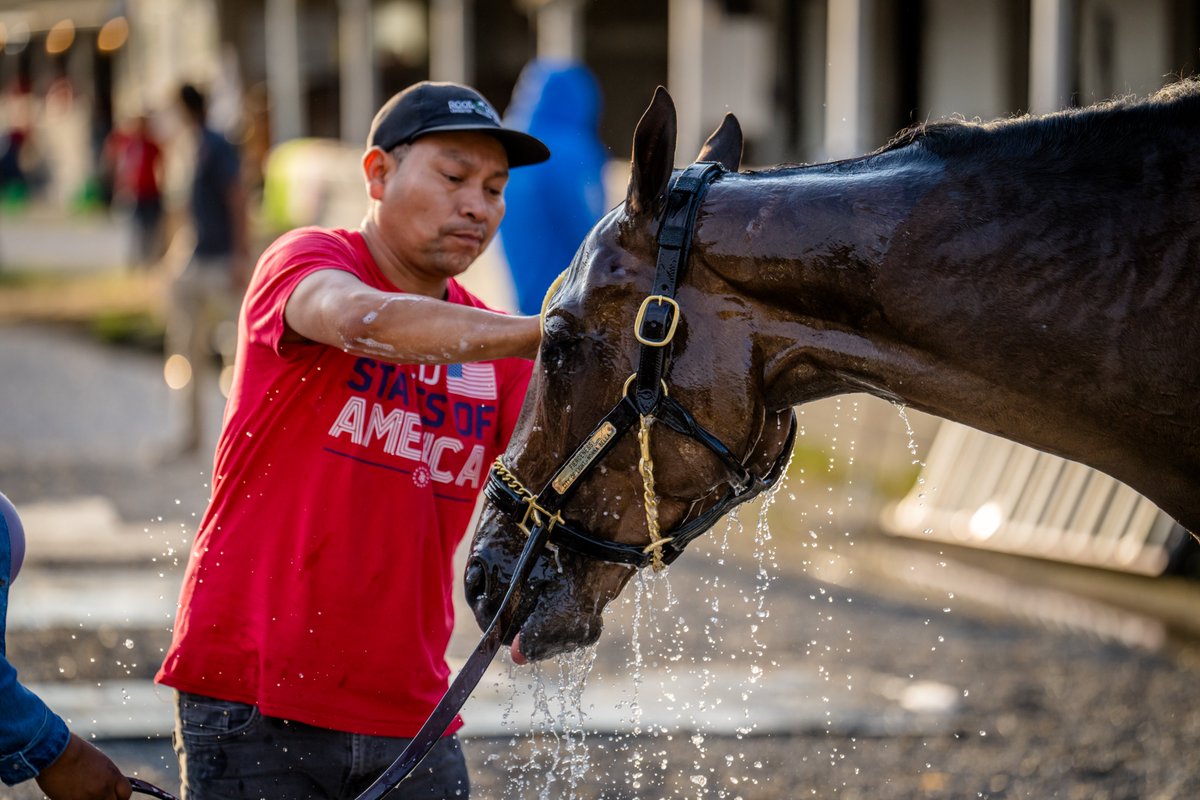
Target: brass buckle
633,377
540,516
670,334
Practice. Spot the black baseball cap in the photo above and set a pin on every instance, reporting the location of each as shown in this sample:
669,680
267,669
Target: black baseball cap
430,107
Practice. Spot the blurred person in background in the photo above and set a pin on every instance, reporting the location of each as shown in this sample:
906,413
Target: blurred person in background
134,160
63,133
371,394
553,205
34,741
16,123
207,286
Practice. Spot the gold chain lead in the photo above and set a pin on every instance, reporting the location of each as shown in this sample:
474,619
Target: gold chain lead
513,482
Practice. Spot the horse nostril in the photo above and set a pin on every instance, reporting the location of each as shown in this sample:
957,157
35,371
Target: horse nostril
475,580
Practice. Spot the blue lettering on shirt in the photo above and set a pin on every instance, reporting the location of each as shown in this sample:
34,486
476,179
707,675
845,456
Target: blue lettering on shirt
399,388
385,377
433,412
361,367
387,382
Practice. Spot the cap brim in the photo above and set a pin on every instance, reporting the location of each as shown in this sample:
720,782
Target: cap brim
522,149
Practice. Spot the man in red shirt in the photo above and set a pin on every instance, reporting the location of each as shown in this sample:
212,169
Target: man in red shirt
371,393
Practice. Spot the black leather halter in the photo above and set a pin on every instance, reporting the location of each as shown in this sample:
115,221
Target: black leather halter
654,328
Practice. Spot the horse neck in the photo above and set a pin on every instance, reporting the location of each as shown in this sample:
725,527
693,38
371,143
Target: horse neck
804,247
892,275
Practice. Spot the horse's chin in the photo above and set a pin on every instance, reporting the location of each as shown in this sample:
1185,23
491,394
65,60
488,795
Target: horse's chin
548,632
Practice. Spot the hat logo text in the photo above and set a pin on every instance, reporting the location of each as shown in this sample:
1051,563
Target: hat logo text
473,107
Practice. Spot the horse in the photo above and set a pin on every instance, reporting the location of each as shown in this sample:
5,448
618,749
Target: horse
1036,277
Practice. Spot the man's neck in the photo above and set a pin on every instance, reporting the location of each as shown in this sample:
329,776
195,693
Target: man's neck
394,269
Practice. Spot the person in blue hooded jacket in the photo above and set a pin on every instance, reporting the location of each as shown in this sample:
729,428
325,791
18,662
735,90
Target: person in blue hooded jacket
554,204
34,741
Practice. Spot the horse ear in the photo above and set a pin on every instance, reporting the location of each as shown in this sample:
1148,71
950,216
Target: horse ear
725,145
653,155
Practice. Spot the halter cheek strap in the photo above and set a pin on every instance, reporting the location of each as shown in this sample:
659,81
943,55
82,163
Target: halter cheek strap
659,315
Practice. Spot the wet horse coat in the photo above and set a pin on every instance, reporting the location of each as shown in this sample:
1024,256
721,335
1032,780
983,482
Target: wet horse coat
1035,278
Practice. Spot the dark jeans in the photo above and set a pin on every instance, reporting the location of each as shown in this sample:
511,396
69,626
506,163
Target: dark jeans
230,751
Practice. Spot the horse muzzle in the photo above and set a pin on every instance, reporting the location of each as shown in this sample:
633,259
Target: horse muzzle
554,613
489,575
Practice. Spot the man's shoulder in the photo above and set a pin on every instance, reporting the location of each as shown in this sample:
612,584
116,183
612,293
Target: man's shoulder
315,238
312,245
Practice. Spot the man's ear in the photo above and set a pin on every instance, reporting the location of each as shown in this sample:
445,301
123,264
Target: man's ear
376,166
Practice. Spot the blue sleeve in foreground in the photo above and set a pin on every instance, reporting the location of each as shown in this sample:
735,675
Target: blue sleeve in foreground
32,736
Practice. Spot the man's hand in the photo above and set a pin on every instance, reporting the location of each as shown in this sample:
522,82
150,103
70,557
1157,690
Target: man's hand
83,773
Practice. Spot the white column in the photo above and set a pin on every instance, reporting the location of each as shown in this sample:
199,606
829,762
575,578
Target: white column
1050,55
847,78
450,41
685,72
560,30
284,79
356,69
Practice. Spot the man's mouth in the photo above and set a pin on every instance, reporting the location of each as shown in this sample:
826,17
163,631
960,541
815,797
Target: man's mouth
471,236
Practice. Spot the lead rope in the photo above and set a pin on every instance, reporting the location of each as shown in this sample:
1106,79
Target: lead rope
649,498
145,787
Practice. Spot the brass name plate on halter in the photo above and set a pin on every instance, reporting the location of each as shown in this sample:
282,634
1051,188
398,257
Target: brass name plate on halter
584,456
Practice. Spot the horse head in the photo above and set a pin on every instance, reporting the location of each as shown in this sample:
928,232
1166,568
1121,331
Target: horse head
646,417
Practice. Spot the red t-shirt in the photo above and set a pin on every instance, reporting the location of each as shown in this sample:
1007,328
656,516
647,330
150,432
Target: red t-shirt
135,171
319,584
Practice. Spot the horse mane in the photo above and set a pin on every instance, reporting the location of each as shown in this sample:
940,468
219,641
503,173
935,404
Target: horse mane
1092,131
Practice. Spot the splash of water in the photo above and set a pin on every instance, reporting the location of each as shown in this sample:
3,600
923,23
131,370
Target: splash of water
678,652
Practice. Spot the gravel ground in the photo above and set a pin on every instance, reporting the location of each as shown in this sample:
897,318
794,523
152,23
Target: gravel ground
1040,712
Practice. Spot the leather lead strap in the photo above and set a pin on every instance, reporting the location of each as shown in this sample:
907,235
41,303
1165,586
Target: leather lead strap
517,601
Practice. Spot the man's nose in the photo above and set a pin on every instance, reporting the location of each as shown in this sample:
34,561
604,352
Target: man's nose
474,204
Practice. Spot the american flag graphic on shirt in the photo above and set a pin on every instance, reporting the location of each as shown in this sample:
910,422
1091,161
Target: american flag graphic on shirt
472,380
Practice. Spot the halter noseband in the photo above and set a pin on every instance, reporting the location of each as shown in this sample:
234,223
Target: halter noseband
649,401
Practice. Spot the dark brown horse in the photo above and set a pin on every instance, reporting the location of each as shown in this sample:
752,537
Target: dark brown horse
1036,278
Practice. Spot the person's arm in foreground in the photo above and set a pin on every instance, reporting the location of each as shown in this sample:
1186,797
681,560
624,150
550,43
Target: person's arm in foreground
34,741
83,773
31,746
335,308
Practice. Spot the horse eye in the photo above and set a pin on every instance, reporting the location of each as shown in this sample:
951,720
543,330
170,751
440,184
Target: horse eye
559,344
557,351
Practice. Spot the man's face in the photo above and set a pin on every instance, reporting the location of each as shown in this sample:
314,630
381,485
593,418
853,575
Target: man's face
440,205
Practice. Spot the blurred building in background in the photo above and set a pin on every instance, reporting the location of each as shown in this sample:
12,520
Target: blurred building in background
809,79
296,83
